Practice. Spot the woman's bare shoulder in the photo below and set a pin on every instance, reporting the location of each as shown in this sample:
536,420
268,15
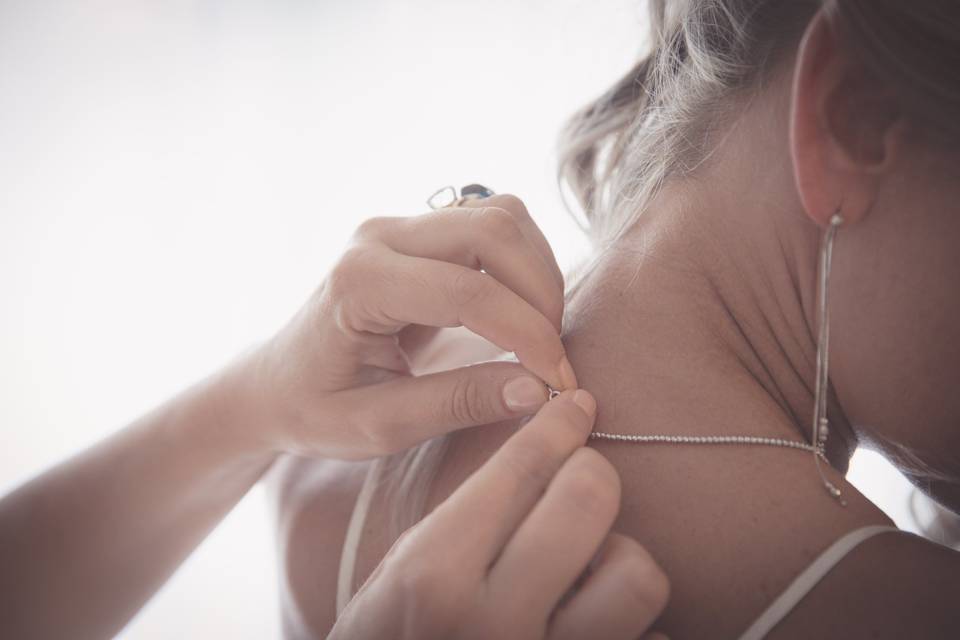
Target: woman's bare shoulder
312,502
894,585
731,527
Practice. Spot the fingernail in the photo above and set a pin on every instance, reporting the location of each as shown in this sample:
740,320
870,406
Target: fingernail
585,401
524,394
567,376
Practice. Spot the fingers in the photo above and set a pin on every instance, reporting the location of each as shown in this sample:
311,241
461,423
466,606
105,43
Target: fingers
622,596
500,494
489,238
515,205
561,534
407,410
495,234
386,291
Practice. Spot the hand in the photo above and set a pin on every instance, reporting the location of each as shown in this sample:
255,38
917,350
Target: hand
522,549
338,380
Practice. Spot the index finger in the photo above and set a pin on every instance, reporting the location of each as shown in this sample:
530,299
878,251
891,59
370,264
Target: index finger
489,238
399,290
500,494
530,229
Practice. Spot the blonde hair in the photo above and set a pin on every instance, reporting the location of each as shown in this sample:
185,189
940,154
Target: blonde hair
660,120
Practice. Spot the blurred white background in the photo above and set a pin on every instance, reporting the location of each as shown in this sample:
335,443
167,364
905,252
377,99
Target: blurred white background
176,177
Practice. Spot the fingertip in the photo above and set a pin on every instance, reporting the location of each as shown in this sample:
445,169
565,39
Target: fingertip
568,378
585,401
524,394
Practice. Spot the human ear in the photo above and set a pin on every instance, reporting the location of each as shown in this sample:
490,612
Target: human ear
846,126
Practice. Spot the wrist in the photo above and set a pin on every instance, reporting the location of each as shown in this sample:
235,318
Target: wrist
240,414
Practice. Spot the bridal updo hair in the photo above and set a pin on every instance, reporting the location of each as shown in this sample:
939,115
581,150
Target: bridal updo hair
703,57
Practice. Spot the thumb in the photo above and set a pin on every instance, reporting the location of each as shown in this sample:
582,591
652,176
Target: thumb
405,411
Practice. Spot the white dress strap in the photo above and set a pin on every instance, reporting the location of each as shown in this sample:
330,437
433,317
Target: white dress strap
348,554
808,579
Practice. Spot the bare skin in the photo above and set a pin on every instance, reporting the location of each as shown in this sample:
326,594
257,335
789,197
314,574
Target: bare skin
701,320
730,526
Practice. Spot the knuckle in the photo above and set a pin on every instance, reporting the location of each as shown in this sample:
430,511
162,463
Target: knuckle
343,310
554,308
594,486
339,280
351,289
529,463
470,287
343,278
372,227
420,583
645,583
519,616
428,589
498,223
419,577
378,440
404,548
468,404
343,314
346,419
571,418
497,623
511,203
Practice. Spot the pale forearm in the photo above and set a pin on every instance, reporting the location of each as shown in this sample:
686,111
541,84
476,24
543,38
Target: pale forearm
85,544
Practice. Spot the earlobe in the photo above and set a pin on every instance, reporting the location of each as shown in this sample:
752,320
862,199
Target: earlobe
844,128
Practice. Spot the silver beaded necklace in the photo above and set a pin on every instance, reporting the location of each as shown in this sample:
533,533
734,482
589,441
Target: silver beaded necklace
820,423
447,197
680,439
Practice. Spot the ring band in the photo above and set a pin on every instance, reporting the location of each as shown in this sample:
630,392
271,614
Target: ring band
447,196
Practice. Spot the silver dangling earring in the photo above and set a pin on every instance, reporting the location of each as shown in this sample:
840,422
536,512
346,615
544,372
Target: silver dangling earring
821,429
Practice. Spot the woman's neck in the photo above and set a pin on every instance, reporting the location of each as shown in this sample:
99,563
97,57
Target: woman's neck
704,309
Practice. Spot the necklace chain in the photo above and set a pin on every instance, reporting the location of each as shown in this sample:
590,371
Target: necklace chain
681,439
820,424
684,439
